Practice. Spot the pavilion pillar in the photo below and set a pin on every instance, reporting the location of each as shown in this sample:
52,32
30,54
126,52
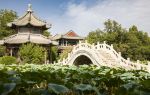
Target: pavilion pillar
63,42
45,56
11,51
66,43
49,54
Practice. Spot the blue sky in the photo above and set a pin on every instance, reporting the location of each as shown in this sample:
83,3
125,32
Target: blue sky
83,16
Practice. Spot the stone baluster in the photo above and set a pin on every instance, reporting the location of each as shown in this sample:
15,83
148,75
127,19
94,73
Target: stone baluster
98,45
119,57
128,60
104,44
93,46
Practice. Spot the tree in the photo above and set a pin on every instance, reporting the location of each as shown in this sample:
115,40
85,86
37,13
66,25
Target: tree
46,33
6,16
131,43
32,53
96,36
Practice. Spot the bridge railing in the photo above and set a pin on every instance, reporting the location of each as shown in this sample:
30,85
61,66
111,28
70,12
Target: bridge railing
118,56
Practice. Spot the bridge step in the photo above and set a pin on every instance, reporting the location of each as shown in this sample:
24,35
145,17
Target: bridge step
108,57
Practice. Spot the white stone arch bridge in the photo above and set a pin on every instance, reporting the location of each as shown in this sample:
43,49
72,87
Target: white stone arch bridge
101,54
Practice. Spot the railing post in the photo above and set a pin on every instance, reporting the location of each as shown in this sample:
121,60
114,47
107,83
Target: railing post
111,46
104,42
119,54
119,57
128,59
138,61
97,43
93,46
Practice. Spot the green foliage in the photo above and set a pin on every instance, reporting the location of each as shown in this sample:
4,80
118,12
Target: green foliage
8,60
2,50
46,33
51,79
57,88
96,36
65,52
131,43
8,88
31,53
6,16
54,50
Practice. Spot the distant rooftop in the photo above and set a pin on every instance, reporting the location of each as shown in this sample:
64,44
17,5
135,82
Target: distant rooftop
69,35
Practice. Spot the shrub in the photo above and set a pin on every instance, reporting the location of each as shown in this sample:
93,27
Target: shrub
65,52
2,50
31,53
8,60
49,79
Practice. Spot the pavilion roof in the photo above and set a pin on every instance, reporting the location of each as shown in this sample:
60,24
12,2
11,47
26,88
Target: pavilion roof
21,38
29,18
69,35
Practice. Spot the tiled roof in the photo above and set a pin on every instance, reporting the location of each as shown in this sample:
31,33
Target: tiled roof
27,37
69,35
29,18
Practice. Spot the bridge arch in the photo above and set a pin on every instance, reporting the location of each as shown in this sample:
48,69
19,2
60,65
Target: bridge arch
82,59
87,54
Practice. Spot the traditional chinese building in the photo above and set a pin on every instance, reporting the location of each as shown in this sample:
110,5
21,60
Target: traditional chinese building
28,29
67,40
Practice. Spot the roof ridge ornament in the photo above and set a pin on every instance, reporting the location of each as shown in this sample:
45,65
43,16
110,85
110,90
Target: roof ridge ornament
29,8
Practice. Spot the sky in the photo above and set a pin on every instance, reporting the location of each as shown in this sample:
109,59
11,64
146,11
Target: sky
84,16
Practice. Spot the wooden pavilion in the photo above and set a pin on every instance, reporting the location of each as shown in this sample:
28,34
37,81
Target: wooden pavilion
28,29
67,40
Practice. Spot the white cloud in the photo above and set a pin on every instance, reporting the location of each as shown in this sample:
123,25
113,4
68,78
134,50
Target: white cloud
83,19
